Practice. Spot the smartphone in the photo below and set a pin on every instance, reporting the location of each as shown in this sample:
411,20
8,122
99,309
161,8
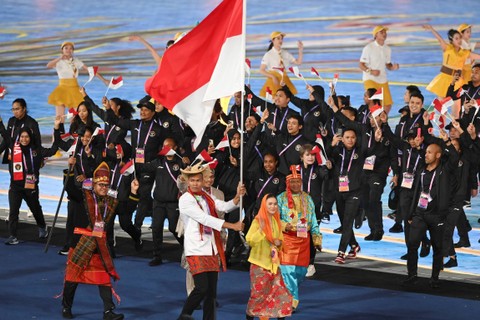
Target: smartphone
210,143
340,131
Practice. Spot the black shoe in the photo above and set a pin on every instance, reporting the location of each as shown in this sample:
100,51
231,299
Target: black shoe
155,262
452,263
469,226
139,245
110,315
410,281
378,236
326,218
462,243
64,251
67,313
434,283
392,215
404,257
425,251
338,230
359,218
397,228
370,237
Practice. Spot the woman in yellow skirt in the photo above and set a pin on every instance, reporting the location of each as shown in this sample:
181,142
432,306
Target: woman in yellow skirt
466,31
67,93
275,64
454,58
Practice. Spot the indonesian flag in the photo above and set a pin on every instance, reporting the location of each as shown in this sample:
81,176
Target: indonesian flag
335,80
222,144
321,159
204,156
128,168
268,94
376,110
72,148
115,83
443,105
3,91
119,148
319,141
71,113
213,164
378,95
92,72
167,151
461,92
296,72
207,64
248,66
97,131
314,72
66,136
249,98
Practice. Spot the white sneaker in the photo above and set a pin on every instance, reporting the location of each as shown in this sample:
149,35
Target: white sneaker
311,270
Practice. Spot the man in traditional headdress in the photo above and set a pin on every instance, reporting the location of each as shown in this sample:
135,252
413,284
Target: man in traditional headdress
90,261
297,212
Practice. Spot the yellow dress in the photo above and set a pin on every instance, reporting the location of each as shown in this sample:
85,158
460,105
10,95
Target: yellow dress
454,60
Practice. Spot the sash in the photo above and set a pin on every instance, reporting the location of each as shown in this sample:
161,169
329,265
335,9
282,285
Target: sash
17,162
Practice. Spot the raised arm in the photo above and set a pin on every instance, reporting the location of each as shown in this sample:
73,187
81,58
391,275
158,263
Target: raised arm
442,42
150,48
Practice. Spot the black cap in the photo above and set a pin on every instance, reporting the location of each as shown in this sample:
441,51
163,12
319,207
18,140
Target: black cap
450,125
412,133
476,65
145,102
404,109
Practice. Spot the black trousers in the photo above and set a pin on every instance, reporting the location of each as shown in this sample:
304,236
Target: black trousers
373,204
450,222
125,219
462,225
69,289
233,239
76,217
162,211
145,203
347,207
328,196
420,224
205,288
16,194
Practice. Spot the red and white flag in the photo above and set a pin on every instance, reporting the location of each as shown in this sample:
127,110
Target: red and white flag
213,164
335,80
115,83
119,148
223,144
268,94
461,92
97,131
92,72
376,110
296,72
3,91
209,63
248,66
378,95
72,148
321,159
204,156
128,168
319,141
71,113
66,136
443,105
314,72
167,151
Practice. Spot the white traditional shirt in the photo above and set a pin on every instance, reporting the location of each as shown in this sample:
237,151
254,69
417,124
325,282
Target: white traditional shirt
68,69
272,58
376,57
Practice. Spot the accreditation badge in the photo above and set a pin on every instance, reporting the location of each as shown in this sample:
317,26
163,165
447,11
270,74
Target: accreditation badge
369,163
112,193
30,181
87,184
302,230
140,155
424,200
343,184
407,181
98,229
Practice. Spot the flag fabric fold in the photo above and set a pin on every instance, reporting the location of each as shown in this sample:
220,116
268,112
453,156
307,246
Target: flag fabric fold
115,83
167,151
203,156
376,110
206,64
378,95
92,72
223,143
128,168
443,105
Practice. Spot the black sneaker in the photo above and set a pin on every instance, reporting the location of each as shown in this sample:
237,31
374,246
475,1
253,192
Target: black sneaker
67,313
378,236
392,215
11,241
452,263
397,228
434,283
370,237
110,315
410,281
139,245
462,243
326,218
155,262
338,230
43,232
64,251
359,218
425,251
404,257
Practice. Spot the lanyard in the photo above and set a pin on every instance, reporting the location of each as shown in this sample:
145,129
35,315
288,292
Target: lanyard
96,208
119,177
263,187
408,161
309,177
288,146
431,182
236,116
140,131
283,119
310,111
365,116
81,161
370,139
343,159
258,152
109,132
169,172
13,131
31,159
415,121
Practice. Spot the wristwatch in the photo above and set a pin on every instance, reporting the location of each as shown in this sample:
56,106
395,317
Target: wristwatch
368,70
